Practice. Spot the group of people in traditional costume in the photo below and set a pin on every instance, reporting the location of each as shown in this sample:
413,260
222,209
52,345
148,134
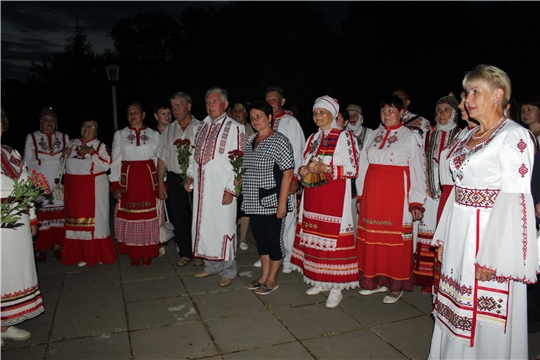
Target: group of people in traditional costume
406,204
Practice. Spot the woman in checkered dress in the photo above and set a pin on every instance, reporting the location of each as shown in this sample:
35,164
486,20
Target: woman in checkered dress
269,165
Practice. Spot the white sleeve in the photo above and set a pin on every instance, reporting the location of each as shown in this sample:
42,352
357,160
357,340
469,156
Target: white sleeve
363,163
345,157
417,192
116,158
509,243
101,159
30,152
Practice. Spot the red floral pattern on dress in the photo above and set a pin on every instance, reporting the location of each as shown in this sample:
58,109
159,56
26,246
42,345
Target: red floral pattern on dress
524,226
144,138
131,137
523,170
377,140
392,139
522,145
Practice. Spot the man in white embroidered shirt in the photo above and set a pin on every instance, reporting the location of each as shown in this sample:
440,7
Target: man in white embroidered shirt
211,177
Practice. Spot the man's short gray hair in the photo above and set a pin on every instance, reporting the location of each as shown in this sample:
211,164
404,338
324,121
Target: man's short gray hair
182,95
223,93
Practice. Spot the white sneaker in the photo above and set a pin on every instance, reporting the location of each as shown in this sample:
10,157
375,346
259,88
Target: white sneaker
374,291
81,263
257,263
15,333
287,268
334,298
315,290
244,246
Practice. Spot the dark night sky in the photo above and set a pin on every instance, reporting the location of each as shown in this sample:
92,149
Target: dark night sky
31,28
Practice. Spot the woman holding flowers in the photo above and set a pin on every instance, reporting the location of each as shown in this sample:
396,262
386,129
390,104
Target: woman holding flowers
134,184
269,168
88,239
324,249
21,297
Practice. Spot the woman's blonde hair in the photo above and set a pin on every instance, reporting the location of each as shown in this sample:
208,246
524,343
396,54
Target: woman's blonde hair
495,77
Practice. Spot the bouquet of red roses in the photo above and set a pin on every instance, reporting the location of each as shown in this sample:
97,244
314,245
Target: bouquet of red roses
184,152
236,159
24,193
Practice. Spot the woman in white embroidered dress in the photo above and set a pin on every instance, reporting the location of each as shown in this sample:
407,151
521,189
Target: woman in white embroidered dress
324,250
43,152
134,184
88,239
445,177
391,191
21,298
486,236
435,141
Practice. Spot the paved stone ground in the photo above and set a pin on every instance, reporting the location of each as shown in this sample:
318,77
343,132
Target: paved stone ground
162,312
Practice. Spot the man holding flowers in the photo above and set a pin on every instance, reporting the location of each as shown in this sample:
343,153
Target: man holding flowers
211,176
178,136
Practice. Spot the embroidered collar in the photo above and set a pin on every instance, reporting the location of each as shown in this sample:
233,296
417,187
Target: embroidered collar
394,127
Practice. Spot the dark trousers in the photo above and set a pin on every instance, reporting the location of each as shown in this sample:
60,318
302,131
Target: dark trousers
180,213
268,232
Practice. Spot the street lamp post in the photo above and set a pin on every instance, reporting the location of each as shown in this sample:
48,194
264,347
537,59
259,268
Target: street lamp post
112,74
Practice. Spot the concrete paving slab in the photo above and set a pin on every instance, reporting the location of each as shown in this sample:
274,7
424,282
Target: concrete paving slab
248,332
208,284
414,342
293,350
100,296
292,294
231,303
50,266
153,289
29,352
306,322
123,260
154,313
50,300
106,346
419,300
173,342
371,311
92,321
39,327
51,282
247,258
359,344
154,271
98,276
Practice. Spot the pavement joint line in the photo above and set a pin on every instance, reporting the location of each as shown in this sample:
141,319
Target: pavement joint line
55,310
126,312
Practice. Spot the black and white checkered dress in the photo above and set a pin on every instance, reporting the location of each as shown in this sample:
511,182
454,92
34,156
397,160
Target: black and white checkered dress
261,182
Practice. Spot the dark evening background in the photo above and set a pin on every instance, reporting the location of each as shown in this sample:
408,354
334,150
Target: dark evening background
55,54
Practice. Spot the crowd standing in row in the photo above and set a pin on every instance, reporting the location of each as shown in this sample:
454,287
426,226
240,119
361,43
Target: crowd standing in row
441,207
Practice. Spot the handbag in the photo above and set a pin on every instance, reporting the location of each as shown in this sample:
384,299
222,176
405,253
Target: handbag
166,230
58,190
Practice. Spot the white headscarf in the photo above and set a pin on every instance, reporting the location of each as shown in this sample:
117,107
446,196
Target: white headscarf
330,104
